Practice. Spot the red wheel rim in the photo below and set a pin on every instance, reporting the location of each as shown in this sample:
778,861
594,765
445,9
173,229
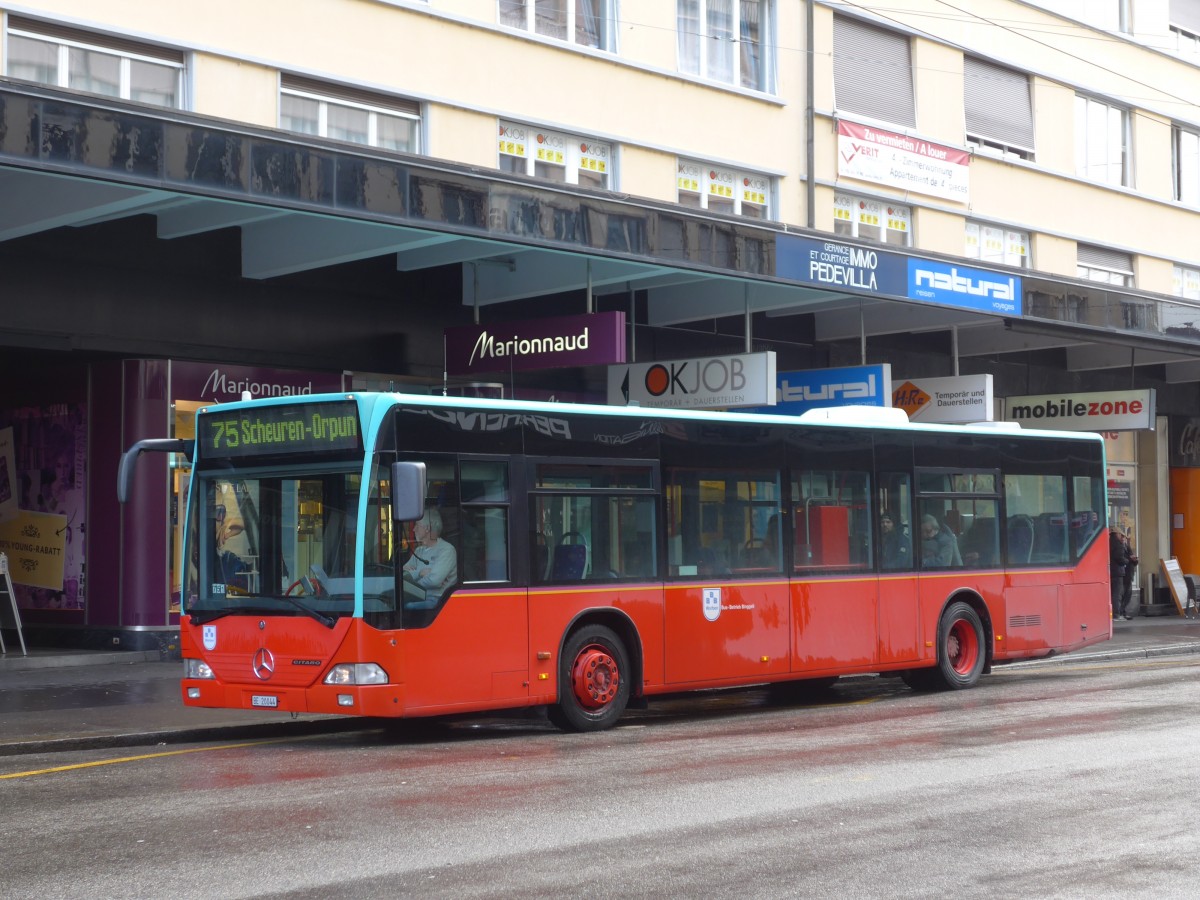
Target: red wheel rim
962,647
595,677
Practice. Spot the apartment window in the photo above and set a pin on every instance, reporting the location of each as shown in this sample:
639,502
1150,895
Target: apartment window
998,108
1187,166
990,243
721,189
872,72
565,158
116,67
589,23
1101,141
348,114
1186,283
727,40
1105,266
872,220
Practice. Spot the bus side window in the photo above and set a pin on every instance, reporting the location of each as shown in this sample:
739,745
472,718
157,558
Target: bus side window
483,554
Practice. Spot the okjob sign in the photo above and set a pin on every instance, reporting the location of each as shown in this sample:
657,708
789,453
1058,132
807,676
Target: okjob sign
800,391
1101,411
719,382
550,343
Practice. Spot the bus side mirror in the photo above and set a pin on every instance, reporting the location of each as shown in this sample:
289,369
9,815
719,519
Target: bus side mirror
408,491
157,445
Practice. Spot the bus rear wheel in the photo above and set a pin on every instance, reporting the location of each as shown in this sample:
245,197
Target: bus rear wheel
593,680
961,654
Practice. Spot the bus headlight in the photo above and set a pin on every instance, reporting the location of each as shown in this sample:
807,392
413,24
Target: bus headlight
197,668
356,673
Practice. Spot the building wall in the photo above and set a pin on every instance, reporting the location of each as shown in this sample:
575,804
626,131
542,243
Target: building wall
652,115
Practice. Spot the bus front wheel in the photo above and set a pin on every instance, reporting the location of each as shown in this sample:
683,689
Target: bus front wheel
593,680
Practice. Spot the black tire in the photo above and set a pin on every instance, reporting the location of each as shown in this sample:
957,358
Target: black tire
594,679
961,653
808,690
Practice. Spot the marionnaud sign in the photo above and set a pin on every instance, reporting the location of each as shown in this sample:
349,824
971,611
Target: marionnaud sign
843,267
1102,411
597,339
719,382
964,398
800,391
223,383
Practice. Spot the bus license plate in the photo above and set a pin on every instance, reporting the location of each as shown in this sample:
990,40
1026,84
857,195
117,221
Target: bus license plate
263,700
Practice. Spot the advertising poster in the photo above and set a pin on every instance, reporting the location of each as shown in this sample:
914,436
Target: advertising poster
44,538
8,476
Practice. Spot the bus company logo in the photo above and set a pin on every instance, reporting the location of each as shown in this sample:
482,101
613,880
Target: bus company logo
909,398
712,604
210,637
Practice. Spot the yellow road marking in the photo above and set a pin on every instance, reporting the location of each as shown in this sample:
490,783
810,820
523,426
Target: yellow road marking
128,759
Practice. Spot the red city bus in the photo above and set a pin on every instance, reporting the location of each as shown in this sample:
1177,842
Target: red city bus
390,555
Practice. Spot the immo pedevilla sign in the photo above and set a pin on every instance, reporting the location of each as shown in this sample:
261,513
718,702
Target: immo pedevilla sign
588,340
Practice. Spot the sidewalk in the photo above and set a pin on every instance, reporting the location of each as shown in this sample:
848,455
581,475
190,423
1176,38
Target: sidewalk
71,700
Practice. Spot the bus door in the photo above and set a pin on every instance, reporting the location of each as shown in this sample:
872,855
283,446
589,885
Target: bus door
726,605
466,636
899,618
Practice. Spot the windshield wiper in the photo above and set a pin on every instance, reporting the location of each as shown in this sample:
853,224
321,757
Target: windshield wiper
208,615
327,621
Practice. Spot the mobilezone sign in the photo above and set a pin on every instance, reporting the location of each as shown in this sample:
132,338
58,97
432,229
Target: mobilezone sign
839,266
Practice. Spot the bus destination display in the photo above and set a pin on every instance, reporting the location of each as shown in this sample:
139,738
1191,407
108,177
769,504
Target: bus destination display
274,430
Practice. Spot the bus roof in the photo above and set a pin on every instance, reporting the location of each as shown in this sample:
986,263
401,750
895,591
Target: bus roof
874,417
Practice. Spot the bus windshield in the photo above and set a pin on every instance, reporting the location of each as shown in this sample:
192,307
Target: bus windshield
278,542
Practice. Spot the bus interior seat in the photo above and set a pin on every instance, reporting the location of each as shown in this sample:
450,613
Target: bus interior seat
1020,539
1049,538
979,546
570,562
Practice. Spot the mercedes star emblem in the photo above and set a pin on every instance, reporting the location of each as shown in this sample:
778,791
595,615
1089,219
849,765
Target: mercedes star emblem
264,664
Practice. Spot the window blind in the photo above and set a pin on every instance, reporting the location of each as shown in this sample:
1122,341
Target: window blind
872,72
1186,14
998,104
331,91
1103,258
93,39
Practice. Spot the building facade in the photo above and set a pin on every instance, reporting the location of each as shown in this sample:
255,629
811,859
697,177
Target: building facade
292,195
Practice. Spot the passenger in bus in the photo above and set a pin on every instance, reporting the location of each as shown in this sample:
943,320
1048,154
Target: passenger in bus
433,566
938,547
897,552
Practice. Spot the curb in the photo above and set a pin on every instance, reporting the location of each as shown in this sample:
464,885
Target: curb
188,735
1108,656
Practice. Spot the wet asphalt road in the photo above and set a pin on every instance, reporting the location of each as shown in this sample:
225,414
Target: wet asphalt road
1057,781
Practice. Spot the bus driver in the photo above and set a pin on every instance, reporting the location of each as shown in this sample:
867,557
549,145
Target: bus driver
433,567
